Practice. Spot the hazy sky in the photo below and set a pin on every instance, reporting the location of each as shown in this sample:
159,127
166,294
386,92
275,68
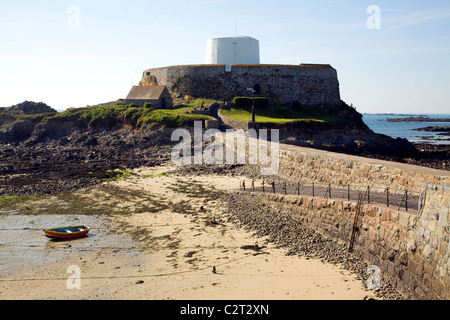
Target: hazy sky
77,53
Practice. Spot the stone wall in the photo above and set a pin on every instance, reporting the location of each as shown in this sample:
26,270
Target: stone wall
282,84
233,123
429,242
307,164
411,249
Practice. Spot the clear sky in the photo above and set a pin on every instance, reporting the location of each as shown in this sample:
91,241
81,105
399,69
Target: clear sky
78,52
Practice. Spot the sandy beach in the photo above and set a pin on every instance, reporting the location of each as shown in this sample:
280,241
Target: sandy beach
155,235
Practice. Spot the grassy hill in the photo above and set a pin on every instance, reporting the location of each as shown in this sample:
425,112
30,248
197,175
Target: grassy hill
109,115
282,115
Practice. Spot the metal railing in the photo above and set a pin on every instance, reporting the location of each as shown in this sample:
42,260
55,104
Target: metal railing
402,198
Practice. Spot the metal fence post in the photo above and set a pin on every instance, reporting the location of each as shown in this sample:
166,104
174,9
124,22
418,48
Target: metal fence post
387,196
406,199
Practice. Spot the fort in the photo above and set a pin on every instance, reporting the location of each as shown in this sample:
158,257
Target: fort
232,66
282,84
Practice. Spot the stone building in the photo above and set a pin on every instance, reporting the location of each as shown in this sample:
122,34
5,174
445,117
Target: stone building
233,66
157,95
310,84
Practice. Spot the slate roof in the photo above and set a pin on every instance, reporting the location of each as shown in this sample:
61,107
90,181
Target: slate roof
145,92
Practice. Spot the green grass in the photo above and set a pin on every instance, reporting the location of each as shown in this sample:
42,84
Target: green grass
282,115
197,103
109,116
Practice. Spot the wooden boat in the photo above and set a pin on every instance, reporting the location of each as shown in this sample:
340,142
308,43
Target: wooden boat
67,232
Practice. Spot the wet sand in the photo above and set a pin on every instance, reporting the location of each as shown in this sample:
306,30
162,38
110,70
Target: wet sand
155,235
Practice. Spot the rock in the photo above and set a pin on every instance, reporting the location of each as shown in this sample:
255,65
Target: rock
29,107
16,131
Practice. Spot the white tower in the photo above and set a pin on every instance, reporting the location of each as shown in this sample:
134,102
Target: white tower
232,50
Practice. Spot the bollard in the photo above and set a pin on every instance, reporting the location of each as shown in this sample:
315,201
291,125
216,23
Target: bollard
348,192
298,188
313,189
368,194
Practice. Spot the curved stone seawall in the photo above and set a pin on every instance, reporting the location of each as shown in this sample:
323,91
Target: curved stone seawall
308,165
410,248
282,84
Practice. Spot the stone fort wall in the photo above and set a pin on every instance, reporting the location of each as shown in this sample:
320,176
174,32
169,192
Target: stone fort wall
282,84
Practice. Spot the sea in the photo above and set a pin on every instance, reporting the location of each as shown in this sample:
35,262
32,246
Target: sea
379,124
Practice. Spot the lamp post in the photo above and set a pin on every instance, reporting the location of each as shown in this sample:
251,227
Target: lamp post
255,90
253,106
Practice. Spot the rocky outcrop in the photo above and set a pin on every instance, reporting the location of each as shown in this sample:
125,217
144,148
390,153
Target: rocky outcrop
18,122
29,107
16,130
83,157
346,139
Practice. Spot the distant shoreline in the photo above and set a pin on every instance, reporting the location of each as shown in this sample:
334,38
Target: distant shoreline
418,119
396,114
